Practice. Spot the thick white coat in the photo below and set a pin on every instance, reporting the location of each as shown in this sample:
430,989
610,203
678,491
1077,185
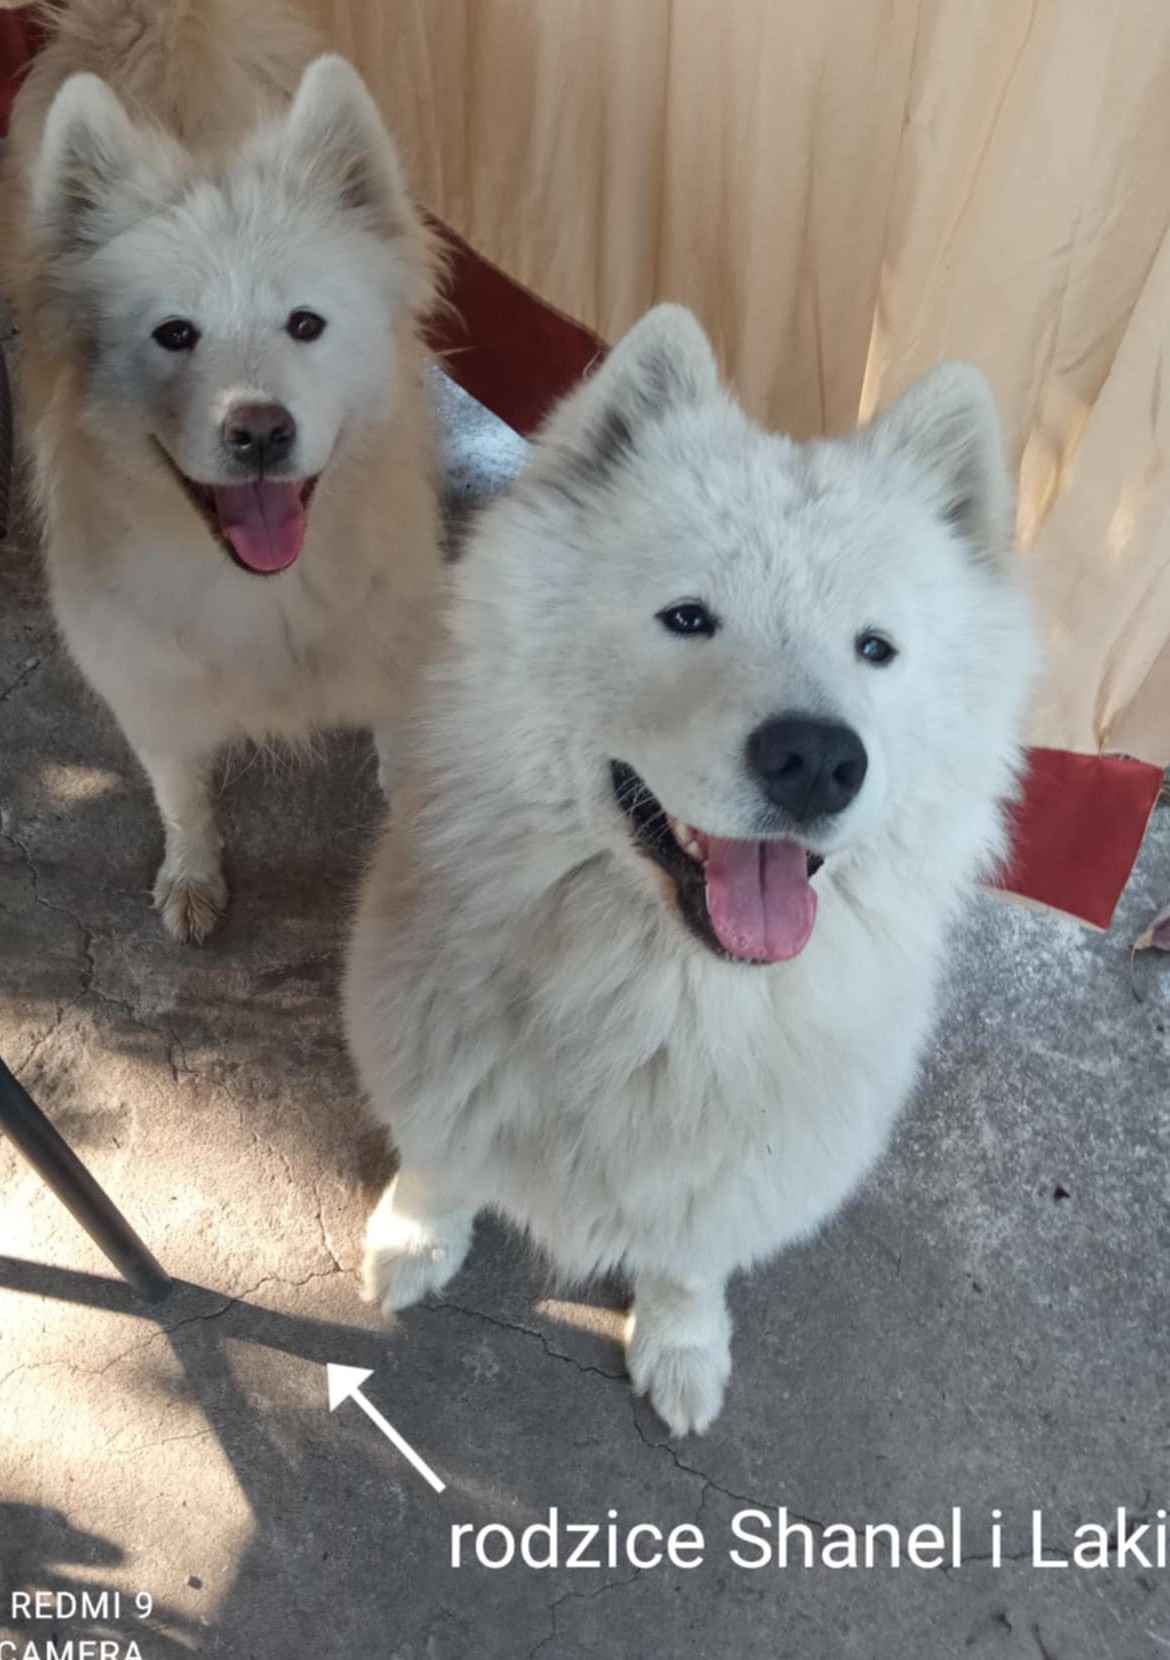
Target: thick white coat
533,1022
168,163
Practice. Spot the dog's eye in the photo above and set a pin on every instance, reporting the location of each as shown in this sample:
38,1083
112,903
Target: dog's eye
305,325
688,618
176,335
874,648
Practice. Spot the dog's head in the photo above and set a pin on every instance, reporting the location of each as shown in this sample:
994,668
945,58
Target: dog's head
764,657
237,320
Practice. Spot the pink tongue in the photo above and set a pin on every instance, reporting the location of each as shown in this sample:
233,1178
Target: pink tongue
263,521
759,898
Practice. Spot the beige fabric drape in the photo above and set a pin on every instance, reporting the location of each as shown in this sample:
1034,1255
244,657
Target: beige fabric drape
847,191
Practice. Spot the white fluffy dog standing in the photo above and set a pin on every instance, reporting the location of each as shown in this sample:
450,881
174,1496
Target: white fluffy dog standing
220,275
716,745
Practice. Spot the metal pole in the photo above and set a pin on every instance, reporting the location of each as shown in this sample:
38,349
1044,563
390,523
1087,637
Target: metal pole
24,1122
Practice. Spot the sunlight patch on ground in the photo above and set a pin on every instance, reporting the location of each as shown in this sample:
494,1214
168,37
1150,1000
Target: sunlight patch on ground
67,783
608,1323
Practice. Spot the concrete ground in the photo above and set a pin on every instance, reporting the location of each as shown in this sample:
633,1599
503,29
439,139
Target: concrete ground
985,1327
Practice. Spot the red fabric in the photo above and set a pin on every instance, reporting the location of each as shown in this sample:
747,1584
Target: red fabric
19,36
1078,830
504,344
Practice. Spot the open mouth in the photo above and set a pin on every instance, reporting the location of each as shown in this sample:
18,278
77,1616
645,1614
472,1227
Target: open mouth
748,901
260,523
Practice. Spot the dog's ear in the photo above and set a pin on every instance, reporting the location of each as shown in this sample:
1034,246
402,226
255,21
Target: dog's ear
663,363
946,430
334,135
95,171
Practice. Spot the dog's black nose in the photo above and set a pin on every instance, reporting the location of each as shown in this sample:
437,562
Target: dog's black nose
261,434
809,767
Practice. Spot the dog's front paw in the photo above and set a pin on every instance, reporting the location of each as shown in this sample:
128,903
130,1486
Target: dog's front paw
685,1384
407,1259
190,906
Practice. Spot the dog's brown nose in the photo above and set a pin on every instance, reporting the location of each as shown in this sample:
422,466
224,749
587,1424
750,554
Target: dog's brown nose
260,434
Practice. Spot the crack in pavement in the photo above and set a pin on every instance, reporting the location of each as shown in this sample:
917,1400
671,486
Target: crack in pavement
164,1441
444,1305
172,1044
25,675
1045,1651
710,1485
88,969
38,1044
440,1305
326,1242
576,1596
298,1186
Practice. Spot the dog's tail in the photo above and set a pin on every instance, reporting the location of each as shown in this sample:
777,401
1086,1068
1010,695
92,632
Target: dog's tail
204,69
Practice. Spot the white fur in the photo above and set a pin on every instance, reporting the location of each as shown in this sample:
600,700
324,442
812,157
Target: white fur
287,194
533,1022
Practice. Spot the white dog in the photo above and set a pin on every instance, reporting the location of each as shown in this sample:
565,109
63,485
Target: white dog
716,746
220,275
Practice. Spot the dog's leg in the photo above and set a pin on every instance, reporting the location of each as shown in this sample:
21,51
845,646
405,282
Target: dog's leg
398,693
680,1351
416,1239
189,890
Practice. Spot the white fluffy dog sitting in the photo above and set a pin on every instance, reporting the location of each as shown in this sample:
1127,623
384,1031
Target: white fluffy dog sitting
220,275
717,744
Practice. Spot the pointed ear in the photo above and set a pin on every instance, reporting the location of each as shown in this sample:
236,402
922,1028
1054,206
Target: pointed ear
95,171
334,135
946,430
664,363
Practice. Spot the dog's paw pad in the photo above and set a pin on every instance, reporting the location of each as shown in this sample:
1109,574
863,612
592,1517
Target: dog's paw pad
190,908
685,1385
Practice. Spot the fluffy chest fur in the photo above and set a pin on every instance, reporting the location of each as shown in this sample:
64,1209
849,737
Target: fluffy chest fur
614,1089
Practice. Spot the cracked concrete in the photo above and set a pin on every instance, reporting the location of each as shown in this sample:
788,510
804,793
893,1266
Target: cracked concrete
985,1326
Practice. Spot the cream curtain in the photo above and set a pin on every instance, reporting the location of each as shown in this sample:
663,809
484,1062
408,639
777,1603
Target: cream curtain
846,191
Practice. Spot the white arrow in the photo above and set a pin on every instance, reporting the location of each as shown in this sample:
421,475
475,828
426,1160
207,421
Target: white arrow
345,1381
